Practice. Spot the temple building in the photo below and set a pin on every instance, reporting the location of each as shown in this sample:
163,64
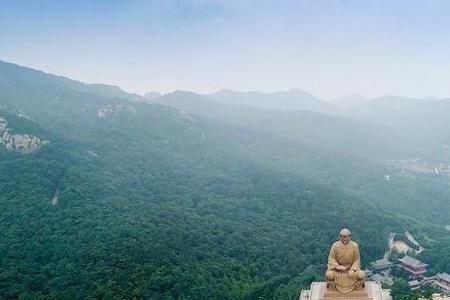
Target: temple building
414,267
415,284
381,265
442,281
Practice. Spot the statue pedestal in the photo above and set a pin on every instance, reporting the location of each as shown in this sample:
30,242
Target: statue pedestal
371,291
357,294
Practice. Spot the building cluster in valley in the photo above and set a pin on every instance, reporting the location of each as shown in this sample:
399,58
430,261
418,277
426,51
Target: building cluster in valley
380,270
416,166
416,270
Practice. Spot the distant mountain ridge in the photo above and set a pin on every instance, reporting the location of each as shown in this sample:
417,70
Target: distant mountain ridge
337,133
152,95
291,100
11,73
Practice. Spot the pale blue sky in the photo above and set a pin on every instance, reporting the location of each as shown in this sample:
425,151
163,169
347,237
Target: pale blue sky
330,48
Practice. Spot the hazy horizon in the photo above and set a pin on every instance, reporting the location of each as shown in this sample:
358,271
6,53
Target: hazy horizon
330,49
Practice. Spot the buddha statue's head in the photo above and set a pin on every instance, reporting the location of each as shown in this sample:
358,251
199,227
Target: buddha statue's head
345,236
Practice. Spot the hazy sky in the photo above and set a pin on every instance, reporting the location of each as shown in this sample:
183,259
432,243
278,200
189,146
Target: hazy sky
330,48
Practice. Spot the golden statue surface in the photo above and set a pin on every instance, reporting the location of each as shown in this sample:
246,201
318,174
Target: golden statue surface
344,265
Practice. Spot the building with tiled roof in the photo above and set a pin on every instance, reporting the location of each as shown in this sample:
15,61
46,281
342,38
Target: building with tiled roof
413,266
442,281
381,265
414,284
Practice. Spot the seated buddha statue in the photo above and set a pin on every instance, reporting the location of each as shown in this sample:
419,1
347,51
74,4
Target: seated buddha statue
344,265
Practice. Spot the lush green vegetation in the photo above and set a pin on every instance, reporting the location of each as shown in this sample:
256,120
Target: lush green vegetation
157,204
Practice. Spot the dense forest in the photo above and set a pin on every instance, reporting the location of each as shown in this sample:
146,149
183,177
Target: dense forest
136,199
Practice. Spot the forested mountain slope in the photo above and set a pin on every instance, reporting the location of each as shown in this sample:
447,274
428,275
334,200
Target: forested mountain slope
380,163
130,200
335,133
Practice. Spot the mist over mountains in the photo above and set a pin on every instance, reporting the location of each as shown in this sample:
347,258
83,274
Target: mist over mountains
384,127
233,195
294,99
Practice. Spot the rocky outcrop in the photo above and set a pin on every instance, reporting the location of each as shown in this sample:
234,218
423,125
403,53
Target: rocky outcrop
114,109
105,112
23,143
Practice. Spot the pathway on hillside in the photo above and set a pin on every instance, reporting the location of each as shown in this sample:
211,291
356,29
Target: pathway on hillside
54,200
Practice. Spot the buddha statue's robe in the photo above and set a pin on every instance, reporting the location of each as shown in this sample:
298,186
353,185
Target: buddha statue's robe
346,255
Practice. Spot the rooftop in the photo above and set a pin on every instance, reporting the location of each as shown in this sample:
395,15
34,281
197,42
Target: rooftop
411,261
443,276
381,262
414,282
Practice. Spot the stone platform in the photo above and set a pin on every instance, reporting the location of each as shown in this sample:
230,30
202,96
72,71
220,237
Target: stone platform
319,291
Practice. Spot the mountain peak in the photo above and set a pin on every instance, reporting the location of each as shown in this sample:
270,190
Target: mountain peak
151,95
14,72
290,100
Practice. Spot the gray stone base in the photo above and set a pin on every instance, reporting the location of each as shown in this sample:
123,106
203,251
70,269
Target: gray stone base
319,291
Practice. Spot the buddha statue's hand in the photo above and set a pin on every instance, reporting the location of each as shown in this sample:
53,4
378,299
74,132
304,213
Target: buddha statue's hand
341,268
352,273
